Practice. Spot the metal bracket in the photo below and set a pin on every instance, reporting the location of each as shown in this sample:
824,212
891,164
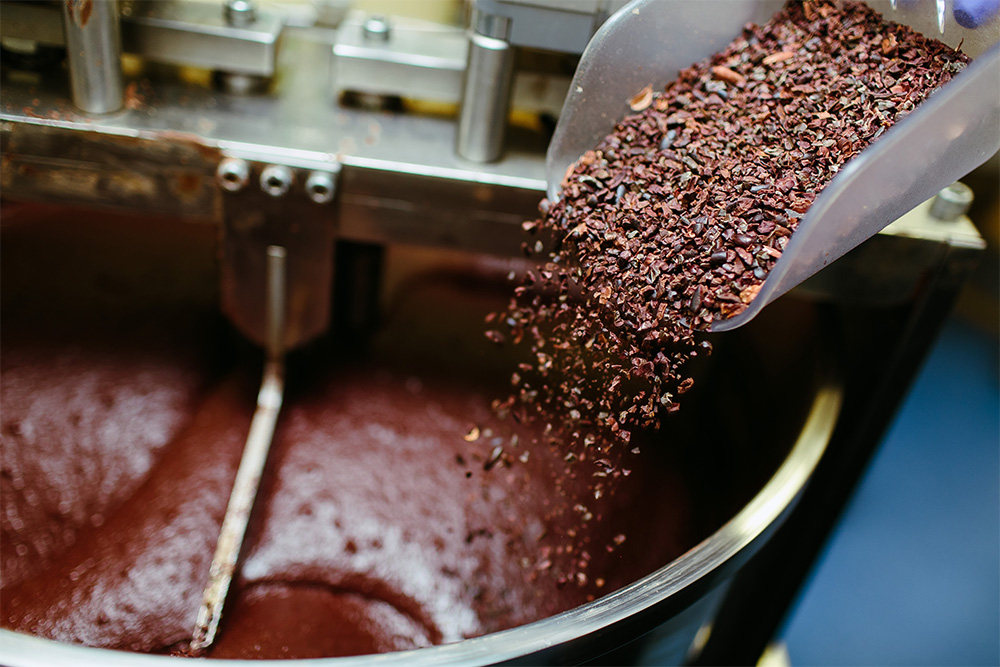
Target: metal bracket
180,33
266,204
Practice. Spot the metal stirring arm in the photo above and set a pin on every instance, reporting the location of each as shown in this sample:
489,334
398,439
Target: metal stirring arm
241,501
946,137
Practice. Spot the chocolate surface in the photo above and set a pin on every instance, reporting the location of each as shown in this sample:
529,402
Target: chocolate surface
397,510
378,500
93,384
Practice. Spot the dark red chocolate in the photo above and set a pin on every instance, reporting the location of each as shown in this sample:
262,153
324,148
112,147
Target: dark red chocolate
396,511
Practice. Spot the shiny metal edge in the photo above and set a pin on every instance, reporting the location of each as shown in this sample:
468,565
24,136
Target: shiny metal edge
733,540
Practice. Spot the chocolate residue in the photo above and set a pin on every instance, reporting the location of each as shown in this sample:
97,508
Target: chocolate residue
79,11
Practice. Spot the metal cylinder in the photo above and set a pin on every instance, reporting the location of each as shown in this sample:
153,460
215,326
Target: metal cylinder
489,73
952,202
239,13
376,29
93,51
276,296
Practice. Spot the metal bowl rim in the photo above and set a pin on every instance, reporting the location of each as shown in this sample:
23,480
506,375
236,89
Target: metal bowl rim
702,564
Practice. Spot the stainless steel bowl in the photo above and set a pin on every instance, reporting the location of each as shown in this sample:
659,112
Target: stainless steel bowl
678,600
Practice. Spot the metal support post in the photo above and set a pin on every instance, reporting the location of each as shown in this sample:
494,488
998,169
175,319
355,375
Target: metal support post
486,92
93,50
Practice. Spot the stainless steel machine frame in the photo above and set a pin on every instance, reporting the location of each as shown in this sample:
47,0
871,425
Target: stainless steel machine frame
293,166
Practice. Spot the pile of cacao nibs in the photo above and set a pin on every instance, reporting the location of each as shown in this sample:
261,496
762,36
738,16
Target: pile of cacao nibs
676,218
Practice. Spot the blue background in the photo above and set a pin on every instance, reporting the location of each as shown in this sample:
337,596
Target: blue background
912,574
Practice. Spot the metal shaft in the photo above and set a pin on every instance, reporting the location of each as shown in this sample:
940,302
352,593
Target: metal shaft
93,51
489,74
241,501
276,279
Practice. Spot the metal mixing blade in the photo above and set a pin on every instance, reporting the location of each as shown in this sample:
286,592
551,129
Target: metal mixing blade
258,444
949,135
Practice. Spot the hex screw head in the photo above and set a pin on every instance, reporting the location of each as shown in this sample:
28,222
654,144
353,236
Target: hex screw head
321,187
233,174
276,180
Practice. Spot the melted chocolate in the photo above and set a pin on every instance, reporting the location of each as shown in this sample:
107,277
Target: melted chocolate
397,510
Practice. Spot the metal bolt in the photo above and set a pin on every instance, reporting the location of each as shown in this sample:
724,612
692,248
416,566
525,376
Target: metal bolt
321,187
239,13
276,180
376,29
952,202
491,25
233,174
237,83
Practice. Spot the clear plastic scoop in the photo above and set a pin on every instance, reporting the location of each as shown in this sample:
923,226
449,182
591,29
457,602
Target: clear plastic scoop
950,134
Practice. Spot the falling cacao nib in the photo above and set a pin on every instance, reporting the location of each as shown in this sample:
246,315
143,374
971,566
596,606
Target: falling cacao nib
675,219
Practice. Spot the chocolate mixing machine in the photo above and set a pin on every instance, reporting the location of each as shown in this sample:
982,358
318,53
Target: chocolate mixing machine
316,140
